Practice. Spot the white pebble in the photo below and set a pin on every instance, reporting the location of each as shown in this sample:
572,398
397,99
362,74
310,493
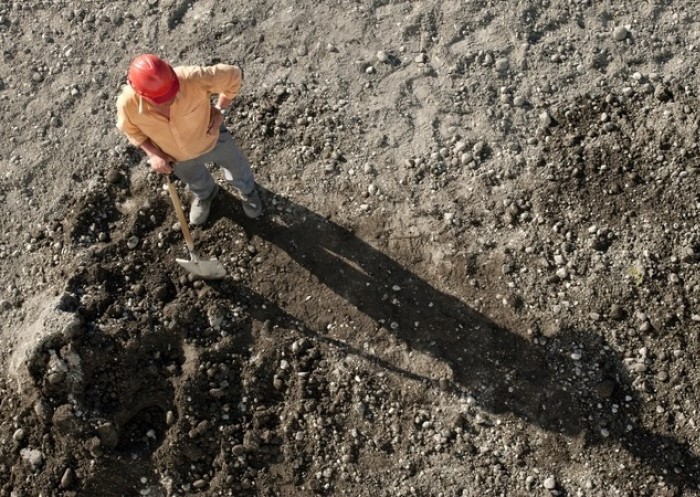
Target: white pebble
545,119
550,483
18,435
502,64
620,33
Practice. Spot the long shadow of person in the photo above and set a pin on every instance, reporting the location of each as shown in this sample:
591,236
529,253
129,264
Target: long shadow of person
506,372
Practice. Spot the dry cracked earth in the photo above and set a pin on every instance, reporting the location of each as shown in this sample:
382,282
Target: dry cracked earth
477,273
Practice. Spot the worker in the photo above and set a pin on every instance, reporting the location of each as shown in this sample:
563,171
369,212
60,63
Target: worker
167,112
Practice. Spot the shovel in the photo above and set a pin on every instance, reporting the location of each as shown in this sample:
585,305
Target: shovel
205,269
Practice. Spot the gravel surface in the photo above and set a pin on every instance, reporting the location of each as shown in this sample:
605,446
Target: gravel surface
477,273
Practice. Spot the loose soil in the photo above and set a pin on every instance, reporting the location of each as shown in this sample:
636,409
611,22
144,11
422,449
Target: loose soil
477,272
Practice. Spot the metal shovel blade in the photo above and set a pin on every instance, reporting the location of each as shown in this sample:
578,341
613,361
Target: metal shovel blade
208,270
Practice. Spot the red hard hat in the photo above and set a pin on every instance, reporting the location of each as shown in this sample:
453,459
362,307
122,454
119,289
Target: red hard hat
153,78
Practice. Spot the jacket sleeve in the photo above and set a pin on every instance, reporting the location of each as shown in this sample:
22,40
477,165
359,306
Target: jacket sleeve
133,133
223,79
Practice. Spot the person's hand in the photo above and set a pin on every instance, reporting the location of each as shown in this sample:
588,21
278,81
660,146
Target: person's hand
216,119
223,102
161,163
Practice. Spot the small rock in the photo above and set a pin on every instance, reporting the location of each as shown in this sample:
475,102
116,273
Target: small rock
132,242
56,377
216,315
113,176
502,64
620,33
466,158
616,312
170,418
64,420
545,119
217,393
550,483
19,435
662,93
662,376
382,56
646,327
67,478
33,457
478,148
481,419
108,435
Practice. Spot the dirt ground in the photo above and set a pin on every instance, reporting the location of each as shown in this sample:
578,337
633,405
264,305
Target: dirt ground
477,273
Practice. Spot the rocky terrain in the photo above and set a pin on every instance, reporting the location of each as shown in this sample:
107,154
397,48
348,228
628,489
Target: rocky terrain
477,274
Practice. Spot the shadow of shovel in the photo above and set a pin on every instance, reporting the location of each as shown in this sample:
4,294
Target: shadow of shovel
203,268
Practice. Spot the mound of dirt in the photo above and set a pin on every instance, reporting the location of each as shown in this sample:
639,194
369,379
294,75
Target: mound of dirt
477,272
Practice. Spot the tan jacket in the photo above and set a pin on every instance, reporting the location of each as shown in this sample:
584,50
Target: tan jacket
183,136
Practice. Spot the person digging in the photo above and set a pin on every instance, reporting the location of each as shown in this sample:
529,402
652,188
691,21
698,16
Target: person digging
167,112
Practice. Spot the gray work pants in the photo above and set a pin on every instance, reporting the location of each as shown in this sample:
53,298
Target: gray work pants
225,154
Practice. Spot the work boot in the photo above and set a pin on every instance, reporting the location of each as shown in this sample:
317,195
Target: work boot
252,204
199,212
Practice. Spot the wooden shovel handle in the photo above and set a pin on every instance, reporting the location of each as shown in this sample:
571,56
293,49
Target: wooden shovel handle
180,214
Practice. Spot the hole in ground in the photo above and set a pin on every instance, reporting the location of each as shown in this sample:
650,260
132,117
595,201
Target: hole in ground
143,432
